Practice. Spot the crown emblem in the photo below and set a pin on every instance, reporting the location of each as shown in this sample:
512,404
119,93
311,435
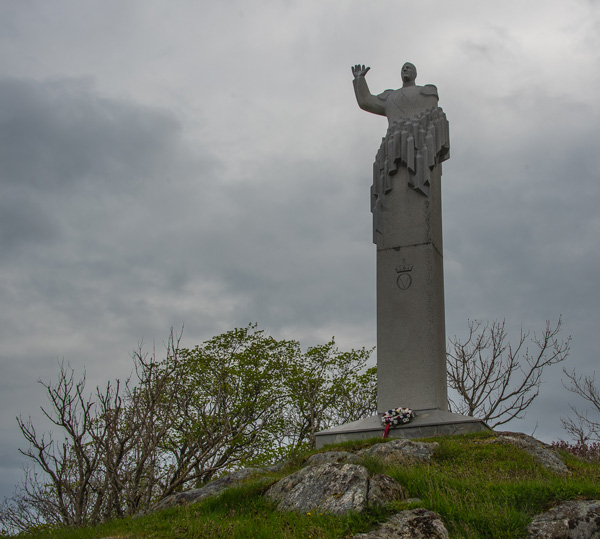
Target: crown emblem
404,267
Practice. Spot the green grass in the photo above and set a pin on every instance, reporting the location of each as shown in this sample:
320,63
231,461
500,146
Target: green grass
481,489
238,513
484,489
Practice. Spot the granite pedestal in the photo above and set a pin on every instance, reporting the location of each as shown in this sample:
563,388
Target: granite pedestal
411,336
427,423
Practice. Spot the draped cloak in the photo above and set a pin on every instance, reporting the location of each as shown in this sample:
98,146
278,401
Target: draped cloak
419,144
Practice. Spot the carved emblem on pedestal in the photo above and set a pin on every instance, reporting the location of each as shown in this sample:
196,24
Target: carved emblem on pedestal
404,279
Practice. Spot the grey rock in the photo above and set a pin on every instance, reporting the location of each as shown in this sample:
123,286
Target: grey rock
333,488
568,520
336,488
211,489
545,454
276,467
383,489
400,449
329,457
415,524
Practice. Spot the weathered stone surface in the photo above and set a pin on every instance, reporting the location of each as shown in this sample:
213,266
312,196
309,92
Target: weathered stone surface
336,488
400,449
383,489
545,454
415,524
568,520
211,489
331,457
276,467
333,488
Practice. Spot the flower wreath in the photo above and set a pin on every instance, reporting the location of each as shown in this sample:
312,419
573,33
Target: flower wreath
396,416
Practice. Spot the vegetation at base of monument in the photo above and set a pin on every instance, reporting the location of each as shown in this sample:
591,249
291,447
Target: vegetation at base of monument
587,451
240,399
585,427
496,380
480,489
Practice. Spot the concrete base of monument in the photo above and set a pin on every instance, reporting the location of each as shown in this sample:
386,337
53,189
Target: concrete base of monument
426,423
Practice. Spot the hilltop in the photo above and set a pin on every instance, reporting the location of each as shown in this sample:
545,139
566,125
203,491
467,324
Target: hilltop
484,485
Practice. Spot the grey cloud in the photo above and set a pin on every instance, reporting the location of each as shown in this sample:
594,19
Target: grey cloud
63,145
24,220
56,133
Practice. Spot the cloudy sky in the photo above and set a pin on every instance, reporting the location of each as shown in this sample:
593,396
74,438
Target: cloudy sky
205,163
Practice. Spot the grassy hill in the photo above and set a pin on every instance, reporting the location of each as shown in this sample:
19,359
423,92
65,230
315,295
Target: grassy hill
480,489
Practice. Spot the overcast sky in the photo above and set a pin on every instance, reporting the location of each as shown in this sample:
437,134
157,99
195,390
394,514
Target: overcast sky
205,163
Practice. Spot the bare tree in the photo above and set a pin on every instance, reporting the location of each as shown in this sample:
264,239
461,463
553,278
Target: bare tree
136,427
106,464
496,380
70,492
584,428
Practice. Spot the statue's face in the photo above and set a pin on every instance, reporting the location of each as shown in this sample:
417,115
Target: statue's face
409,72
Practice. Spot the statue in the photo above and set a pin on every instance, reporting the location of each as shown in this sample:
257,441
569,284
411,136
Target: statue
407,230
406,201
403,104
417,137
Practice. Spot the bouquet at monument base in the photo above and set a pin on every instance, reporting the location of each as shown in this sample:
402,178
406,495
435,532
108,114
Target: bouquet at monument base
396,416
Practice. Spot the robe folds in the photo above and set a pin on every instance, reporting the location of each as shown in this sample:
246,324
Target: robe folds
418,144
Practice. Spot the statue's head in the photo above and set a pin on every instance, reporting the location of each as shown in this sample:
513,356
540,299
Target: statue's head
409,72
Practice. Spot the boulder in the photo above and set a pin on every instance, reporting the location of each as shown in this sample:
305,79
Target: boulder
383,489
545,454
415,524
577,519
329,457
400,449
333,488
211,489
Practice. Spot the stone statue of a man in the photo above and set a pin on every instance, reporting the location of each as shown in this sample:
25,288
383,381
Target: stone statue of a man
403,104
417,137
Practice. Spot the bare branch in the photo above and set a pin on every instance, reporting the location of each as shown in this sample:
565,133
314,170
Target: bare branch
496,380
584,428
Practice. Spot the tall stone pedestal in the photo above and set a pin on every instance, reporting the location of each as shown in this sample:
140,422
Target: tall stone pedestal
411,336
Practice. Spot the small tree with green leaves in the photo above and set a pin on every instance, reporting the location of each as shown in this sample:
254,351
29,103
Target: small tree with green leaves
327,388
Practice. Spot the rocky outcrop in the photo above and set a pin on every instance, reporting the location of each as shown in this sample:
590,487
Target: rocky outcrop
545,454
415,524
577,519
332,481
211,489
333,488
331,457
400,449
337,482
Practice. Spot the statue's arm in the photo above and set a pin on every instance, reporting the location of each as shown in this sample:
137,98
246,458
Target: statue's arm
366,100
